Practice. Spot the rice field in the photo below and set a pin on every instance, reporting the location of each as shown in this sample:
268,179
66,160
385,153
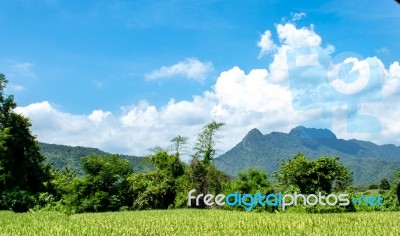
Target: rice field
199,222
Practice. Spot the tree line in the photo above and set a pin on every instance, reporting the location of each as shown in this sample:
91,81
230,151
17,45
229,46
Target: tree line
110,183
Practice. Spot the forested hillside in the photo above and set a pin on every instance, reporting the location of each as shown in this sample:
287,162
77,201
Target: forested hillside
67,156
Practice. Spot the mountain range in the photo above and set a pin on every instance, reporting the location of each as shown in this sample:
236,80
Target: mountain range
369,162
62,156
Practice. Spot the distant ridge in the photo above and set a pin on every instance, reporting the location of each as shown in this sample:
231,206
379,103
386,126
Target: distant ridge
67,156
368,161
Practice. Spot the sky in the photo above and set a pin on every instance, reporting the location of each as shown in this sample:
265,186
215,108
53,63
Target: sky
125,76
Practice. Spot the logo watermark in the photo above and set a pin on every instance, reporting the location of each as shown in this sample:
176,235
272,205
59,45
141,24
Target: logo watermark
249,201
346,81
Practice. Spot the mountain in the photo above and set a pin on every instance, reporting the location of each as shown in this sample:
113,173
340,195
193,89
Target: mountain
66,156
368,161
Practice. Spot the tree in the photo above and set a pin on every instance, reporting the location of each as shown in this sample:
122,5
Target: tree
171,164
21,164
384,185
202,174
206,141
252,181
311,176
104,187
158,189
178,144
205,178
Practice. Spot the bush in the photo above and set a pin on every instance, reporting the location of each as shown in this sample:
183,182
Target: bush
18,201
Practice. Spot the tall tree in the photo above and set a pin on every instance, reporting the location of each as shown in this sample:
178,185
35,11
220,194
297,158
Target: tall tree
202,174
207,140
21,164
178,144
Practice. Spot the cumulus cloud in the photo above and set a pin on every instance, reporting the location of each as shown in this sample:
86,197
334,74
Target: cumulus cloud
190,68
266,44
98,116
290,38
261,98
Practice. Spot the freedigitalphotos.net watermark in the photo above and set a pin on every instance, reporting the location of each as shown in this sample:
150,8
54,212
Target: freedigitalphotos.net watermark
249,201
319,82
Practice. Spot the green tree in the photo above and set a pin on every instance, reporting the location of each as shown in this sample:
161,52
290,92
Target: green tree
384,185
205,178
21,164
202,174
252,181
310,176
158,189
104,187
178,144
207,140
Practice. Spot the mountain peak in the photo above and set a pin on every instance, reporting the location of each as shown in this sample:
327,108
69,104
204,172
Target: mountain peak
303,132
253,135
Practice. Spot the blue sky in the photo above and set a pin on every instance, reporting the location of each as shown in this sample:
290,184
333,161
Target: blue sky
118,56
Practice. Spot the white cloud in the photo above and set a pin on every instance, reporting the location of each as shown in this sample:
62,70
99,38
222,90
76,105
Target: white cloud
295,38
298,16
98,116
266,44
259,98
190,68
290,38
391,86
25,69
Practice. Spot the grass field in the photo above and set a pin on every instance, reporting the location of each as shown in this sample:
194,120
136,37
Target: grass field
199,222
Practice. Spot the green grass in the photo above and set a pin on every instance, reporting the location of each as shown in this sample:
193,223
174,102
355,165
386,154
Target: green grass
199,222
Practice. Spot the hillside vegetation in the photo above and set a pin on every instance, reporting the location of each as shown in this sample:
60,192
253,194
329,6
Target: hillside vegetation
62,156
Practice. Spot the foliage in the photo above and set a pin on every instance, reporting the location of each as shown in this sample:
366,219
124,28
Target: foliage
104,187
18,201
179,144
311,176
62,156
205,178
171,164
251,181
384,185
158,189
202,174
153,190
392,196
22,171
206,141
